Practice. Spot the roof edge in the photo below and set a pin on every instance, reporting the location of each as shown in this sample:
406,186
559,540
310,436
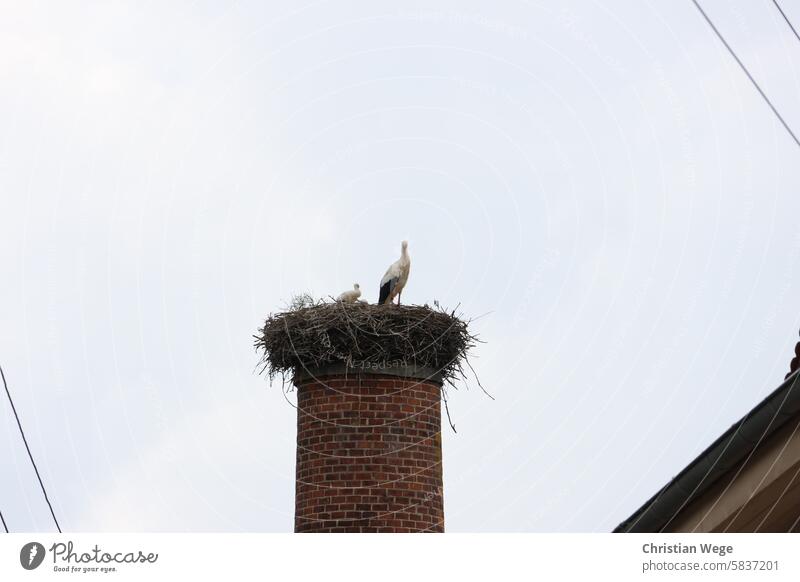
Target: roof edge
717,459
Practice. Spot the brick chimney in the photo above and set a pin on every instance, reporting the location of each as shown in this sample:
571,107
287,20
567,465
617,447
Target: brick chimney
369,452
369,382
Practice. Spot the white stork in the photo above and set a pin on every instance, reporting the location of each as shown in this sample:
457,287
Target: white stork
395,278
351,295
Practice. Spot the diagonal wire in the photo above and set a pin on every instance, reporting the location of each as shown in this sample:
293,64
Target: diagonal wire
786,18
746,72
4,522
30,455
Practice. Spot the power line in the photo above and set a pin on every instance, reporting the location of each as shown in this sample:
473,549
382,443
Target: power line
786,18
746,72
4,522
30,455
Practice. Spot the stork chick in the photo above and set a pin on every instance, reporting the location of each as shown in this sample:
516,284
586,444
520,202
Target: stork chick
350,296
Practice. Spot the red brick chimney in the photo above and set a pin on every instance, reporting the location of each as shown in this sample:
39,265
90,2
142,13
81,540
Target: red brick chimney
369,390
369,452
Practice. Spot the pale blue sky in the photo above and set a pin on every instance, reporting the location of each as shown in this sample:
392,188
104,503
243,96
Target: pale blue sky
599,177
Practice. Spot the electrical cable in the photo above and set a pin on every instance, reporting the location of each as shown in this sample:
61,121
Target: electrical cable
30,455
746,72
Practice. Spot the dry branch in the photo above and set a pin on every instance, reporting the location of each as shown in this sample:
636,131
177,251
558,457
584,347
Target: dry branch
365,336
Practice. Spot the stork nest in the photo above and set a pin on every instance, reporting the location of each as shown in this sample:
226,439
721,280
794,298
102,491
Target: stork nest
366,337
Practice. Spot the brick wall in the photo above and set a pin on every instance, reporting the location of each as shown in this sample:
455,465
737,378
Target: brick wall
369,455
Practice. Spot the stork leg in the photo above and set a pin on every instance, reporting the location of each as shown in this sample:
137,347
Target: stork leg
398,297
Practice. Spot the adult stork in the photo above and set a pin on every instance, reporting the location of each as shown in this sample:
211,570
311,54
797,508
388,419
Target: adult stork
351,295
396,277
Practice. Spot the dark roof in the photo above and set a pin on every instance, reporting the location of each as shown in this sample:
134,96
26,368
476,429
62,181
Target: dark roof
720,457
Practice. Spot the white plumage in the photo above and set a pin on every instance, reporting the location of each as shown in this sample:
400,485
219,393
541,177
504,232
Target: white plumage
350,296
396,277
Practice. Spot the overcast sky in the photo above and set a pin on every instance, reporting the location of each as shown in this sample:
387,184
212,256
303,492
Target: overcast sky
599,178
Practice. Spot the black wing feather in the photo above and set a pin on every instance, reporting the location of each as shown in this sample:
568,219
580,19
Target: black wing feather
386,290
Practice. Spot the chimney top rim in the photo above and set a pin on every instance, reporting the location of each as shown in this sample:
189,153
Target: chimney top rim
342,370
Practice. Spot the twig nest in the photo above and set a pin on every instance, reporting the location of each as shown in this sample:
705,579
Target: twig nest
365,337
